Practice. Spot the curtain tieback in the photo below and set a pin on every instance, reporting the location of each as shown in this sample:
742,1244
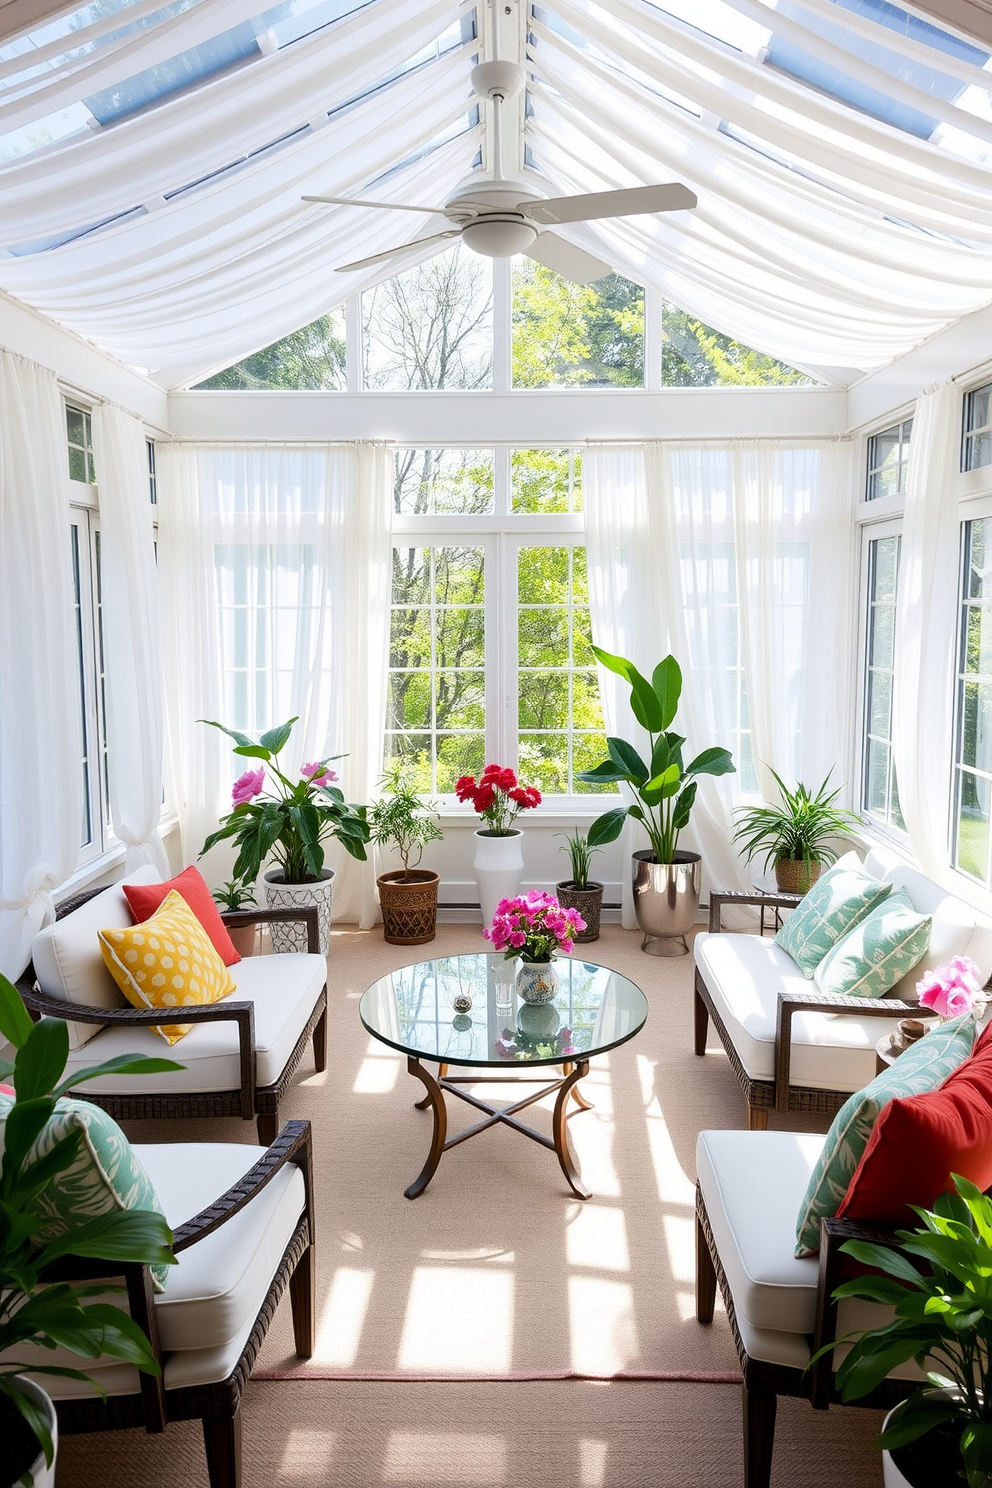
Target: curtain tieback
129,840
43,892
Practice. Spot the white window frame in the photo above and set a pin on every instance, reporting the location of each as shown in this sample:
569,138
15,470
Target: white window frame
975,509
969,435
870,532
501,533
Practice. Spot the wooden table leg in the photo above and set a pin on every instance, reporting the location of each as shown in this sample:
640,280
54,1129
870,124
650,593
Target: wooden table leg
435,1099
577,1096
563,1145
422,1105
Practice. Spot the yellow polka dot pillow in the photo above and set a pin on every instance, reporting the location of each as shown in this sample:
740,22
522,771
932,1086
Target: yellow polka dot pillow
167,961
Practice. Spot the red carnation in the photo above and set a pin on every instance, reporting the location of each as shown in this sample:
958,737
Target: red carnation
465,788
485,797
506,780
490,774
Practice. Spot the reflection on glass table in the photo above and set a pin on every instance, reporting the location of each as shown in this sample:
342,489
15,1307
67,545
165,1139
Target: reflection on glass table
463,1010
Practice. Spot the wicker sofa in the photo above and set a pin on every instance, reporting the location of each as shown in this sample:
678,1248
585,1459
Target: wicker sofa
792,1047
239,1057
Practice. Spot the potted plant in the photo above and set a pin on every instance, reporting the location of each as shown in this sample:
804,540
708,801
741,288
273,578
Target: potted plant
580,892
403,821
795,835
499,798
293,820
941,1434
666,881
235,895
534,927
44,1314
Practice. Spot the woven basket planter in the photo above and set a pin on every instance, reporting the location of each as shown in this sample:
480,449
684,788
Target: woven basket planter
795,876
409,906
589,903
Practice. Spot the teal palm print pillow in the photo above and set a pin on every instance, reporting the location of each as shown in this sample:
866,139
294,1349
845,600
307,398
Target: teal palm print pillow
833,906
878,952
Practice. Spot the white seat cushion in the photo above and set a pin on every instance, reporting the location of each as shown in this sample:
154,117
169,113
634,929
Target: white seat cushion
216,1291
67,958
284,990
752,1185
744,975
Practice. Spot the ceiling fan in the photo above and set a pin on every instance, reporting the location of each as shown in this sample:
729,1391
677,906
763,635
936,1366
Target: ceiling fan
500,216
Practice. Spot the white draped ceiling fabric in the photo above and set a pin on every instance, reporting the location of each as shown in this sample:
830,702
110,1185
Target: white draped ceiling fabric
833,229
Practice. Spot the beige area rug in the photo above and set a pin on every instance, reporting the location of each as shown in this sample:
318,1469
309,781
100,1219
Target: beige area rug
461,1334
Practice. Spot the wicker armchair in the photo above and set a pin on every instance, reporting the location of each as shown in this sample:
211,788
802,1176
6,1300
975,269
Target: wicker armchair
252,1237
792,1047
780,1308
241,1054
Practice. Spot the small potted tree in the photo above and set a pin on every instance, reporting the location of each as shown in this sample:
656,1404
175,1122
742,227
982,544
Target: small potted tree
580,891
232,896
404,822
796,835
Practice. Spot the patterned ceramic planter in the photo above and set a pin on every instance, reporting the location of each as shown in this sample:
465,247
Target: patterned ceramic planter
537,981
281,895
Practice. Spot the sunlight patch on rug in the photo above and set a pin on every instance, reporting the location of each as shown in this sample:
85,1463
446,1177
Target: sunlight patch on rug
342,1317
458,1319
603,1330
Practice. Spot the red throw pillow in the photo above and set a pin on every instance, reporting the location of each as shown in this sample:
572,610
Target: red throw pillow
920,1140
145,899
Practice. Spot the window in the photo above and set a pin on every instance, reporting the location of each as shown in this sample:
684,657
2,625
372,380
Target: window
888,461
152,476
977,438
694,355
432,326
973,723
489,632
312,357
79,431
880,789
575,335
87,583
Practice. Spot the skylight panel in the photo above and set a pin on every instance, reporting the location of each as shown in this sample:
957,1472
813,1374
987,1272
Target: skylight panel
906,24
181,72
19,142
806,68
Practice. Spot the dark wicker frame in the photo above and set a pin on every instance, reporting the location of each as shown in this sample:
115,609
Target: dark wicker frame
762,1382
249,1101
778,1094
218,1404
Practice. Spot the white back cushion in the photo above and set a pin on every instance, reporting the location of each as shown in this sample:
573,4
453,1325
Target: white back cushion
67,958
958,930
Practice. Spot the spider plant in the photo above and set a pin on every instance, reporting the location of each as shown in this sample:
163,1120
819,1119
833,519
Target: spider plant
798,830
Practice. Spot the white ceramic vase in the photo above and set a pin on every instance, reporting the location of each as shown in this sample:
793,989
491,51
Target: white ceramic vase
499,867
42,1476
281,895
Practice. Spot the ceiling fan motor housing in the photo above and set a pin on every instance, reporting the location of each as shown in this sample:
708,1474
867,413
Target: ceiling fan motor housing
499,235
497,79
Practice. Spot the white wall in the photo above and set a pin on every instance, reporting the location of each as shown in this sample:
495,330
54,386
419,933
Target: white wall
79,364
955,352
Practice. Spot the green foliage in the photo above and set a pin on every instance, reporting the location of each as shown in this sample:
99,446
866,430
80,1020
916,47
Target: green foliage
580,852
57,1315
665,788
943,1321
576,335
799,829
402,819
693,355
234,894
295,822
312,357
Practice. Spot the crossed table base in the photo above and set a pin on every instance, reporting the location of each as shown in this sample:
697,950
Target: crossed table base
559,1143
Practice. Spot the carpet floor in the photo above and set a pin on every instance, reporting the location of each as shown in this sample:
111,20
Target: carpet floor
498,1331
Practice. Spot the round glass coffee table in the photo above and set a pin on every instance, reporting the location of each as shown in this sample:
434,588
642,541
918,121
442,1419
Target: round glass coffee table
416,1010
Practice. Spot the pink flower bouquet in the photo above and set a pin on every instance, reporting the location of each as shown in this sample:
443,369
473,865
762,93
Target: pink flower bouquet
534,926
952,989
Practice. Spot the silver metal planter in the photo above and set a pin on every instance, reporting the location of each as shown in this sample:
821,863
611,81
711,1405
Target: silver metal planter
666,898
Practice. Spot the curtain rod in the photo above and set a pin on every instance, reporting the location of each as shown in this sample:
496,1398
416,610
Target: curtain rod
295,444
721,440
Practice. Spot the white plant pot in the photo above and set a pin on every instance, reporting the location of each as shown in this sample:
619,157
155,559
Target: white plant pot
891,1476
42,1476
281,895
499,867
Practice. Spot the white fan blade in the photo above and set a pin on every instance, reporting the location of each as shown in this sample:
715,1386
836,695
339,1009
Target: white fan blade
567,260
351,201
593,204
374,258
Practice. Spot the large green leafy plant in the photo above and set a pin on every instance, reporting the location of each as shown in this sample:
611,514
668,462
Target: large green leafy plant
292,819
939,1281
665,787
58,1315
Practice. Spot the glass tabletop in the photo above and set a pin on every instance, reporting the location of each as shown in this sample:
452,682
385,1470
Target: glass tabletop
413,1010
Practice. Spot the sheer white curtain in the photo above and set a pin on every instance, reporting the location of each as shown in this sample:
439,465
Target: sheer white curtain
731,556
275,566
40,739
922,695
130,635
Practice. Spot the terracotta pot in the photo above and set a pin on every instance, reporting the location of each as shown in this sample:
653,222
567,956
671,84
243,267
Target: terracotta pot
243,938
589,903
409,906
796,876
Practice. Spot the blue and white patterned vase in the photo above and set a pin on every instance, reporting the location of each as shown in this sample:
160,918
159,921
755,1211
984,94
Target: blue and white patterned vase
537,981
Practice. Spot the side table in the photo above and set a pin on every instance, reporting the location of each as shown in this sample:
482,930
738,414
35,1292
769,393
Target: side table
886,1052
767,885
